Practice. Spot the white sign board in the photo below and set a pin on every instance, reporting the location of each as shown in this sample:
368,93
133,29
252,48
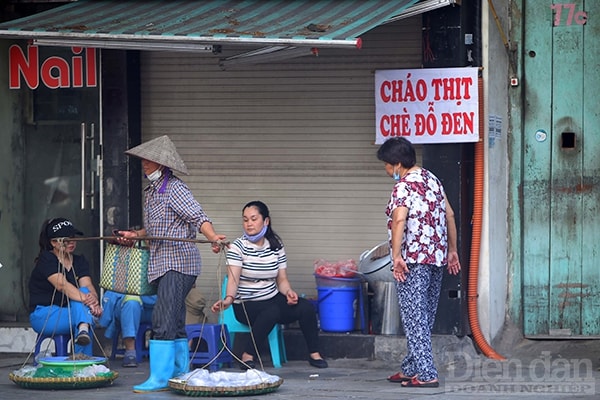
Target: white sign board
427,105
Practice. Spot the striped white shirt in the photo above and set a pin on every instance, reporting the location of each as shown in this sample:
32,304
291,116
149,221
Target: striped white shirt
260,266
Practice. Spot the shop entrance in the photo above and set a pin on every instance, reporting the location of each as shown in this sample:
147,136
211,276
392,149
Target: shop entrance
62,145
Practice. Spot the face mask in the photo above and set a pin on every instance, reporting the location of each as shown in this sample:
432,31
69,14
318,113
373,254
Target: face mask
396,176
258,236
154,176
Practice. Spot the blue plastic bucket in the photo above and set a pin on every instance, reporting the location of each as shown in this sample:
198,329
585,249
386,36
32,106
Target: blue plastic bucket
336,308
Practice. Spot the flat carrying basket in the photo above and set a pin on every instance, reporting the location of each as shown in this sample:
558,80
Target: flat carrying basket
180,386
63,373
64,383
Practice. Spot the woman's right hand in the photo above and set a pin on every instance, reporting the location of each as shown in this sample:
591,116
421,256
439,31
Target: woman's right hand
122,239
220,305
400,269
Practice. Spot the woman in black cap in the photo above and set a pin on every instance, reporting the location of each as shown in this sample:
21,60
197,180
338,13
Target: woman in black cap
62,298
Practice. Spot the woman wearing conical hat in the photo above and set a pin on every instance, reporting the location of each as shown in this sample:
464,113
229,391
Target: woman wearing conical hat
170,210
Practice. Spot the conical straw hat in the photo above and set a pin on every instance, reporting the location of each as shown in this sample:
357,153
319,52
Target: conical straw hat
162,151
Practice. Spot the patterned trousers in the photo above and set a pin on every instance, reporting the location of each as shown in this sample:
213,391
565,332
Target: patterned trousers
418,297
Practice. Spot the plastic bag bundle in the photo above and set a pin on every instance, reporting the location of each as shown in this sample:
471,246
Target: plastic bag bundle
338,269
202,377
41,371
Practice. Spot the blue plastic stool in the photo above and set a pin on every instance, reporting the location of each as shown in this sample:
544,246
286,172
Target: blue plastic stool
141,350
61,344
212,335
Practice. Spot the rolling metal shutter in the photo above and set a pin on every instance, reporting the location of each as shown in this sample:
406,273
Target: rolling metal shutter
297,135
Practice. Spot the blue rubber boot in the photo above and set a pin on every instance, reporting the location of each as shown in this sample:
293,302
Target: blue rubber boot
162,366
182,357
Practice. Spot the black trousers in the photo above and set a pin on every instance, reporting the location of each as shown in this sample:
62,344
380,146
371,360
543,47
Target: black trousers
263,315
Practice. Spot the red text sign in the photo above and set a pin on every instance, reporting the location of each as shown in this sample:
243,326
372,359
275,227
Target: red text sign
54,72
427,105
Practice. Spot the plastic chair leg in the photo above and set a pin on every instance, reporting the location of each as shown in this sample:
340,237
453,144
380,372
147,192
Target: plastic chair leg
274,346
282,347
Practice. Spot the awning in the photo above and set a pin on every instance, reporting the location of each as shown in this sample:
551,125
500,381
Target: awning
194,25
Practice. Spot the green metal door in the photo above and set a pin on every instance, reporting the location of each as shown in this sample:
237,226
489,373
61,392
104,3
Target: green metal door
561,176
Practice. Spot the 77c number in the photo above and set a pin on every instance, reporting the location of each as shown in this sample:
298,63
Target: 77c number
580,17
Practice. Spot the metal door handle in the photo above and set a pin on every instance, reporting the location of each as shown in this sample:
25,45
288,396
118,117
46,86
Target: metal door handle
83,136
84,163
92,178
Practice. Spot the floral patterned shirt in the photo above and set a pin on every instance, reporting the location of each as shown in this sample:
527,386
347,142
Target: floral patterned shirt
425,239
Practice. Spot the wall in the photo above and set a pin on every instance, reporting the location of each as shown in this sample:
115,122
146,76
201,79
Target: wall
493,284
11,194
297,134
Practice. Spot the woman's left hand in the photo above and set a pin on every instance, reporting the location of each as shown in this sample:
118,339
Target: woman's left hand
91,300
453,263
96,311
292,297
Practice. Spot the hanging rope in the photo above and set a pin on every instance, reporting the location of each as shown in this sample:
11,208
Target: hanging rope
63,272
250,329
222,334
222,245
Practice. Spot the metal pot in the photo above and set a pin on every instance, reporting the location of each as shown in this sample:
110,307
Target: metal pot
375,264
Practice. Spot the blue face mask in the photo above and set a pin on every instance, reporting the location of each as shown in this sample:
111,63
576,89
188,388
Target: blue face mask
258,236
396,176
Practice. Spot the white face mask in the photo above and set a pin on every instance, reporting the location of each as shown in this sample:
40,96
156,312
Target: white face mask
154,176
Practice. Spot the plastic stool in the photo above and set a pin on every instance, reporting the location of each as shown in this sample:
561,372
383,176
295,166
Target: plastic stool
212,335
61,344
276,342
141,350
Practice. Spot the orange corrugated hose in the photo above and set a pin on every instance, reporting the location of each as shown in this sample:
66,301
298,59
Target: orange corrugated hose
472,293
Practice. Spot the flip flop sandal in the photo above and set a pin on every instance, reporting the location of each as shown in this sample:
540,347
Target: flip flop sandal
399,377
415,383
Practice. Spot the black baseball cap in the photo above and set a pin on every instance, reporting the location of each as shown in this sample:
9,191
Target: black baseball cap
61,228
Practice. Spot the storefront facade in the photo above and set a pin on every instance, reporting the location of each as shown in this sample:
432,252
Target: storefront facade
296,133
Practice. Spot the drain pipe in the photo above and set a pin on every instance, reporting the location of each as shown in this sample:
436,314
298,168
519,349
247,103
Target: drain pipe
472,293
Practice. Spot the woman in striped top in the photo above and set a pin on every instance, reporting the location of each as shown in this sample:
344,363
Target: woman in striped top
259,289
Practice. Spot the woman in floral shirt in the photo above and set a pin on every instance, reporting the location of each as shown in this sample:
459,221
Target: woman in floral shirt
422,236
